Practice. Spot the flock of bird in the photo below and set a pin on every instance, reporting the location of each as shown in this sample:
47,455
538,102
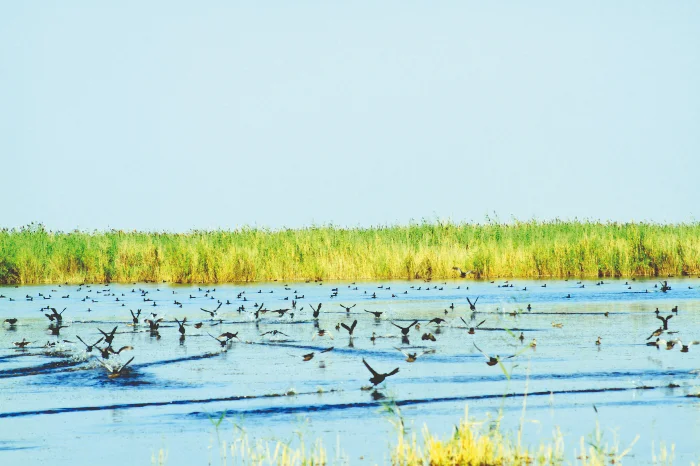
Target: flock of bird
154,322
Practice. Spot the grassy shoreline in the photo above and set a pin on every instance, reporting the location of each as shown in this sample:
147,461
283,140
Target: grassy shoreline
532,249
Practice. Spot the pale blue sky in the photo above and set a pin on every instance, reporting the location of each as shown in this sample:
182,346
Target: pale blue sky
178,115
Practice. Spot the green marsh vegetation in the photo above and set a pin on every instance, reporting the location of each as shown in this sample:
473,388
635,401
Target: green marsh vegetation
533,249
471,443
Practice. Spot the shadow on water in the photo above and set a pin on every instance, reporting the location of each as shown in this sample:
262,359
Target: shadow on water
423,401
131,381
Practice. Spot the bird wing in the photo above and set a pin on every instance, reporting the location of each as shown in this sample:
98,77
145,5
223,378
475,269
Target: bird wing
346,327
393,372
374,373
123,348
480,323
328,349
126,364
81,340
414,323
399,349
352,327
470,303
488,358
465,322
104,364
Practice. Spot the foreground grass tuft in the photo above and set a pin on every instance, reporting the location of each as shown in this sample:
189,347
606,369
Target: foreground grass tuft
420,251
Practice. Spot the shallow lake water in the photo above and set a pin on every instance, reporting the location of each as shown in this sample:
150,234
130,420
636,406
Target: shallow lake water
57,404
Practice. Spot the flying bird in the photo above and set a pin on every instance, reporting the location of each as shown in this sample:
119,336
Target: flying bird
378,378
351,328
405,330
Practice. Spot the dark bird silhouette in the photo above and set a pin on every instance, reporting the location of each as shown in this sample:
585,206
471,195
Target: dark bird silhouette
351,328
376,314
135,317
273,333
211,313
56,329
490,360
222,343
684,348
472,330
153,325
88,348
57,316
104,352
411,357
322,333
22,344
428,336
109,337
228,336
317,311
437,321
405,330
665,320
123,348
378,378
11,321
472,306
181,326
347,308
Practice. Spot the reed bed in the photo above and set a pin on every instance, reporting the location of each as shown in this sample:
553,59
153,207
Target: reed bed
32,254
472,443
